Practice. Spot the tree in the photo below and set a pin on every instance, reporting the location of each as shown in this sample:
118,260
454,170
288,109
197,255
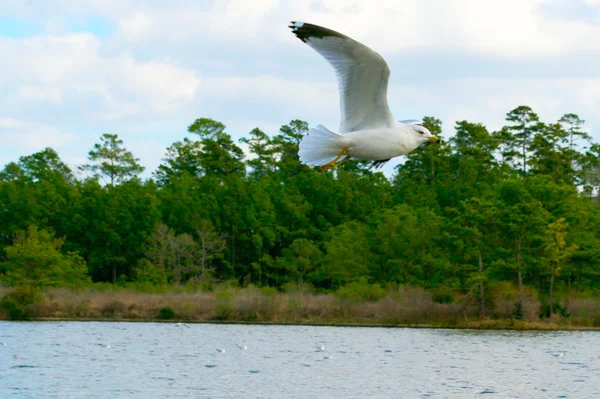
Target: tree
548,157
517,139
39,189
286,145
170,252
35,261
301,259
262,147
572,124
210,243
476,227
219,156
347,256
521,220
182,157
112,161
45,165
555,246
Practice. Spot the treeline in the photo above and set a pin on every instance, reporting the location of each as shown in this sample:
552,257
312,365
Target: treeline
489,214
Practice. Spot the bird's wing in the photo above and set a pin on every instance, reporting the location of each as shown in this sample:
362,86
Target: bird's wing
362,76
412,122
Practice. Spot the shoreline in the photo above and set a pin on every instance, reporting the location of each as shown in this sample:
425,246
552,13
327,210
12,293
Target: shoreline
490,325
406,307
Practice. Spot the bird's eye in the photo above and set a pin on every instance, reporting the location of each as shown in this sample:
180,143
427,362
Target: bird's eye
420,132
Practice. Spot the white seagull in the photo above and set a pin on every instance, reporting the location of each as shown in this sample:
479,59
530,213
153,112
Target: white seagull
368,130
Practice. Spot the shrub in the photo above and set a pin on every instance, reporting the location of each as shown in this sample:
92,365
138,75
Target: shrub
112,308
305,288
166,313
361,291
224,305
442,295
35,260
269,291
17,303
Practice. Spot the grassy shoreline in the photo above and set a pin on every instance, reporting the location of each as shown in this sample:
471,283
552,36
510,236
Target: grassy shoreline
485,324
407,307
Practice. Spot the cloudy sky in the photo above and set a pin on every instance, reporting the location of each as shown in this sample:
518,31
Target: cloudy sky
71,71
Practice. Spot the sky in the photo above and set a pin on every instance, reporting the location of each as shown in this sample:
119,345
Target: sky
72,71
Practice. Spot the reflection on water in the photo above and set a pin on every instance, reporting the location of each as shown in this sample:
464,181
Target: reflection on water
155,360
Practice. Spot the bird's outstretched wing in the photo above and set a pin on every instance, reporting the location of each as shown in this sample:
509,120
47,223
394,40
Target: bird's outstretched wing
412,122
362,76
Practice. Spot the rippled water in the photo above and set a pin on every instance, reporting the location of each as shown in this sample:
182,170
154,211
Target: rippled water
154,360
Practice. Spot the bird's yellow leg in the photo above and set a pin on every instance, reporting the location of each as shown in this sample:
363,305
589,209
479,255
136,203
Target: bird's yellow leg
333,164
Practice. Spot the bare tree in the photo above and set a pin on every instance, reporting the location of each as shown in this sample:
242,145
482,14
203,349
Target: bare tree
183,248
209,243
159,246
172,252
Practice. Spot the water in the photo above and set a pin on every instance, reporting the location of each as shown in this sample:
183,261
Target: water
154,360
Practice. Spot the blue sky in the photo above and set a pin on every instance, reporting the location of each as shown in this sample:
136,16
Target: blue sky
146,70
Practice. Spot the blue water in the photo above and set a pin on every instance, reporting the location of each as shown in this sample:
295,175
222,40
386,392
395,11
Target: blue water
155,360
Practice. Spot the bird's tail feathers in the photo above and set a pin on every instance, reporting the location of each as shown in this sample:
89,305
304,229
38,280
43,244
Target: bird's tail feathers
320,146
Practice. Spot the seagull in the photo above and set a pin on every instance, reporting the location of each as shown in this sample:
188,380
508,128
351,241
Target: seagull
320,348
367,129
328,357
242,347
221,350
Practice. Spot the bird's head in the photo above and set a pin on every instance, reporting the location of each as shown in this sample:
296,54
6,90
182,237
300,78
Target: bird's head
424,135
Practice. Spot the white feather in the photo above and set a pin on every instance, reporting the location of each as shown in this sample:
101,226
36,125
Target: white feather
320,146
362,76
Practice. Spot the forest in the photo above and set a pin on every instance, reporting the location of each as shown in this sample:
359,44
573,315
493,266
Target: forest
489,214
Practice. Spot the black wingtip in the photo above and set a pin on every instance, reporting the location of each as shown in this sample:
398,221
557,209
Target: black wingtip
295,27
304,31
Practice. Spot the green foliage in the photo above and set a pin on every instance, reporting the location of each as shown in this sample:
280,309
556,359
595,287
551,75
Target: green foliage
166,313
492,216
361,291
224,304
112,162
35,261
148,272
18,302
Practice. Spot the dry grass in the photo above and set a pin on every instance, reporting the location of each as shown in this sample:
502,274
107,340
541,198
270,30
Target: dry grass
404,306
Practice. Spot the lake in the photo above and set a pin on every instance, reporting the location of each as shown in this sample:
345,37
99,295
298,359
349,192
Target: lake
168,360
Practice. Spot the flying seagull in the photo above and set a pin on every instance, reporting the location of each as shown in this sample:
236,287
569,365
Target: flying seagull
367,130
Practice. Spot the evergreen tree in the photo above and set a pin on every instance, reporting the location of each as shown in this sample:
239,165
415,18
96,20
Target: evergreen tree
111,161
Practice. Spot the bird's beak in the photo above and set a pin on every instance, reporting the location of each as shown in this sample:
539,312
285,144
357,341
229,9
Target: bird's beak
435,139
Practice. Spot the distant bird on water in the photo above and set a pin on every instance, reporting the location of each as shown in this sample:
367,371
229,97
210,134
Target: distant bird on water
367,130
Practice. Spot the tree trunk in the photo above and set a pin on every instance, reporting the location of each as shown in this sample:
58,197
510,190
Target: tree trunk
481,288
114,273
520,275
550,299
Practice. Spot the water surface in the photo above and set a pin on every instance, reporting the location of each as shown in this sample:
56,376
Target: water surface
156,360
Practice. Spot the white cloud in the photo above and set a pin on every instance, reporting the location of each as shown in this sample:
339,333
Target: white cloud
511,28
33,136
487,100
167,63
51,68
